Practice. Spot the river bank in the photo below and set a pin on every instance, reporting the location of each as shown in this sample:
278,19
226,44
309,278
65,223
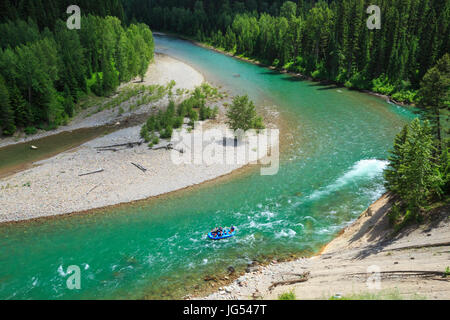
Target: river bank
63,184
367,259
160,72
387,98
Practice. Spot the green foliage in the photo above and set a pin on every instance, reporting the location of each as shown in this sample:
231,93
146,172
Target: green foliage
414,170
434,96
6,112
173,117
287,296
46,72
328,40
242,115
30,130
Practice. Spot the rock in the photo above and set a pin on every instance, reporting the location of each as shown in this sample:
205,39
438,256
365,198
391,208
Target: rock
34,147
251,269
395,262
227,290
231,269
209,278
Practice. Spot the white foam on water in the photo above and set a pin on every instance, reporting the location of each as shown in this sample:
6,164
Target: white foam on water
363,169
61,271
267,214
285,233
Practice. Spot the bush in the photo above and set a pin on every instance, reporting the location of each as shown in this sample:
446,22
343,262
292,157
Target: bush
178,122
167,133
30,130
287,296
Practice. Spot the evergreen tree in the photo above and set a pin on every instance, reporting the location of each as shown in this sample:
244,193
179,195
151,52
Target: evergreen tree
396,159
435,95
414,171
6,112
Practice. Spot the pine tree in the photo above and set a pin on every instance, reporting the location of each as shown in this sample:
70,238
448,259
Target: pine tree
435,95
22,113
6,112
68,102
419,173
396,159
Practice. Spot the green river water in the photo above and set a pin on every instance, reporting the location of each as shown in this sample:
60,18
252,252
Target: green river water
330,171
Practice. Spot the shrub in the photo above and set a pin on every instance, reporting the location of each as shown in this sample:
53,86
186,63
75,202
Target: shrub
30,130
287,296
178,122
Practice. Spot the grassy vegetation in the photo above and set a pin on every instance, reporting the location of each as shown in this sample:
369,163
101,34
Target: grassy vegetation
287,296
379,295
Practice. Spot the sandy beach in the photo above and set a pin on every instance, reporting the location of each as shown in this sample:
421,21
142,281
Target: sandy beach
367,258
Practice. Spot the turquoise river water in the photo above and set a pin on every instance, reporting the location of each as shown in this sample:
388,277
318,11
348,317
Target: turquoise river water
333,143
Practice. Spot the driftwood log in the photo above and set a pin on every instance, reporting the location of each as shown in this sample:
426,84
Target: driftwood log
302,278
128,144
139,166
88,173
168,147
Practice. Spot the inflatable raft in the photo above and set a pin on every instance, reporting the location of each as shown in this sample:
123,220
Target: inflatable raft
225,234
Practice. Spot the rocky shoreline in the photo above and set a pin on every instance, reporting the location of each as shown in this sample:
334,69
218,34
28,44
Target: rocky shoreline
366,259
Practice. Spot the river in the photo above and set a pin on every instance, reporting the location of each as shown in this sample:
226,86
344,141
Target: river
333,143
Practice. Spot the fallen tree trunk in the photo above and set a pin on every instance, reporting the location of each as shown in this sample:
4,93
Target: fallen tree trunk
85,174
168,147
411,273
128,144
139,167
108,149
303,278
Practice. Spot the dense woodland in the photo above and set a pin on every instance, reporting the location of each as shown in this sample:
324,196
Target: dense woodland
323,39
45,69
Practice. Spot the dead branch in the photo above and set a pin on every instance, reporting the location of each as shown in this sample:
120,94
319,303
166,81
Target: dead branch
85,174
92,189
128,144
108,149
303,278
411,273
139,167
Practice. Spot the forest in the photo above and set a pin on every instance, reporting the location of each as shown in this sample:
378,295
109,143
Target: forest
326,40
45,68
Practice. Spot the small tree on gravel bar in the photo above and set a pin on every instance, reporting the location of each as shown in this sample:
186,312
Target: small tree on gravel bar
242,115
